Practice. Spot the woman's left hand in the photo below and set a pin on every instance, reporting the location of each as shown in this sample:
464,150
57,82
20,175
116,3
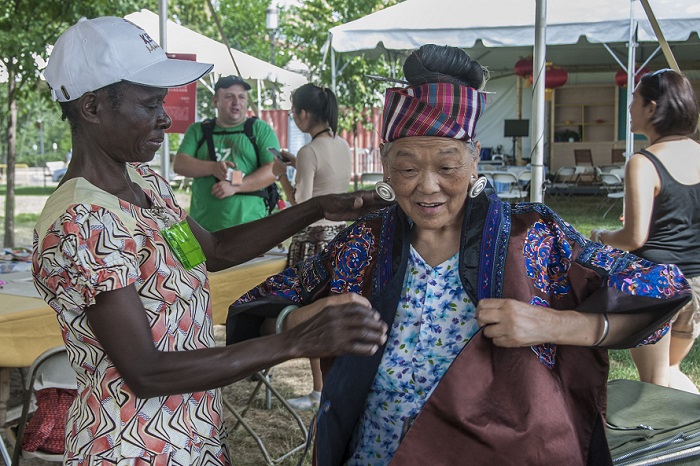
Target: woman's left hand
510,323
279,168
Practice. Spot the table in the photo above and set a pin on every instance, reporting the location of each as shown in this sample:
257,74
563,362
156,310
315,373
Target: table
28,326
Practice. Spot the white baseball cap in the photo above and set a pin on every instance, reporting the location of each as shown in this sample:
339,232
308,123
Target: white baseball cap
94,53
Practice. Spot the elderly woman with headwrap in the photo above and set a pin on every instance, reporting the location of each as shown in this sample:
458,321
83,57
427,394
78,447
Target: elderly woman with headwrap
498,314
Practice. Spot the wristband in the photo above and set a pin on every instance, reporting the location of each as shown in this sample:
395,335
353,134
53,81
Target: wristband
282,316
606,330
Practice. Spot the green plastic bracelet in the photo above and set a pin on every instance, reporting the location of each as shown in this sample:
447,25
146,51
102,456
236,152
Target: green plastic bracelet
283,315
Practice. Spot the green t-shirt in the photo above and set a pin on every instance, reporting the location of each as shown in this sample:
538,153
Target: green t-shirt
215,214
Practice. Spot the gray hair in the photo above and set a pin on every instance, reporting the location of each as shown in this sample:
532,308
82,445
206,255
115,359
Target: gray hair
470,145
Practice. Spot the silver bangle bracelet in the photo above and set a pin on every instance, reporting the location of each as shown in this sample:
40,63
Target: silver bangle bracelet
606,330
279,323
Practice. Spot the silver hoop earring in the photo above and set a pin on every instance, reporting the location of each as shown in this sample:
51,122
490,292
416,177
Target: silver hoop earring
385,191
477,187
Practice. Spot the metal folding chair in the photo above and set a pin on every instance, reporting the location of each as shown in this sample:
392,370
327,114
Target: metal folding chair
263,379
507,186
51,369
613,188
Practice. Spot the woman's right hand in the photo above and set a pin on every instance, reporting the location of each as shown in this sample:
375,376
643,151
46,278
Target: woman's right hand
340,324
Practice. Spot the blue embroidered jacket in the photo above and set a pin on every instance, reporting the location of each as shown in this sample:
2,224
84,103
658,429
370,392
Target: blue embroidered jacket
541,405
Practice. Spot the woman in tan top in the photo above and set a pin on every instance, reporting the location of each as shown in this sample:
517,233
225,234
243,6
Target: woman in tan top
323,166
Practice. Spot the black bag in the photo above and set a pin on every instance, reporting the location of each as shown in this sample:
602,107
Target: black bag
270,194
648,424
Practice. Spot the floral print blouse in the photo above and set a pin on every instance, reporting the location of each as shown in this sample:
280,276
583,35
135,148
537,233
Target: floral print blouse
434,320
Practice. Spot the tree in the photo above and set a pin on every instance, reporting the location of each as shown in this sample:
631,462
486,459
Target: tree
243,24
306,31
27,27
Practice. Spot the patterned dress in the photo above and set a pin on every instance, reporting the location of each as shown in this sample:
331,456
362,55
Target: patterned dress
83,248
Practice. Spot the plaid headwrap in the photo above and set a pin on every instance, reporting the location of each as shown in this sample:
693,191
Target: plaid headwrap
432,109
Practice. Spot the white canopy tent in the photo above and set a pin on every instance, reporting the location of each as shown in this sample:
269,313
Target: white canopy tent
179,39
183,40
583,36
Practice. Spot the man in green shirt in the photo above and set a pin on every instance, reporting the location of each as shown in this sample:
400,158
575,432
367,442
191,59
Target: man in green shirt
221,188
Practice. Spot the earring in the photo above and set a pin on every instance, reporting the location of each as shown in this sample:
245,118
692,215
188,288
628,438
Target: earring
385,191
478,187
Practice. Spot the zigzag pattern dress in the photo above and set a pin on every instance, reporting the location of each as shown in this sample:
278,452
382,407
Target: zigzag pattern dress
86,248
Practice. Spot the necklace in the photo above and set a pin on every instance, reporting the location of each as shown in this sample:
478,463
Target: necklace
659,139
327,130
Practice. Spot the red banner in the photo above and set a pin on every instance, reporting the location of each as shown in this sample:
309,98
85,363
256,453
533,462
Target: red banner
181,102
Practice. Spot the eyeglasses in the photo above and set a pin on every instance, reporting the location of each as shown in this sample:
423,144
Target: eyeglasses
658,74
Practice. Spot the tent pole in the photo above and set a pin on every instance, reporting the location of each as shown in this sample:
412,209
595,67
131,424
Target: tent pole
668,54
538,104
335,91
518,156
165,148
631,71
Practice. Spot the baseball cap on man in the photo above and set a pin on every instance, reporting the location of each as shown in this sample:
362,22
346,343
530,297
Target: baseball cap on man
94,53
225,82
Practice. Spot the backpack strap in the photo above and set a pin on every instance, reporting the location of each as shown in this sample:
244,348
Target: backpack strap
208,136
248,130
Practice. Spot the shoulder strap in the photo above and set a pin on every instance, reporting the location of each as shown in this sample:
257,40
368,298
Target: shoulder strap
208,136
248,130
660,168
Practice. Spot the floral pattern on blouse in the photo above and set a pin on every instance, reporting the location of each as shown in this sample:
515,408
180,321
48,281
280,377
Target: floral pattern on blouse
434,321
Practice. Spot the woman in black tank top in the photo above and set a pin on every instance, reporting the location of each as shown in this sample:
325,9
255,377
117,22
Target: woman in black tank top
662,218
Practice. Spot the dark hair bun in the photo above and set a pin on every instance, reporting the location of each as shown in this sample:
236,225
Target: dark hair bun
444,64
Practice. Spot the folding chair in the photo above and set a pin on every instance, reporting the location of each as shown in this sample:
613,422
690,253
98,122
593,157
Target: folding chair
583,157
617,156
507,186
51,369
4,453
613,188
263,378
524,183
564,182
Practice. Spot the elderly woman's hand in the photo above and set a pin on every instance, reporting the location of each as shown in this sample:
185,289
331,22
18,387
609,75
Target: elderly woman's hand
512,323
349,206
340,324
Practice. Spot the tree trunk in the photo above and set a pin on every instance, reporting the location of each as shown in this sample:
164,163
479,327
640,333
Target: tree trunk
9,241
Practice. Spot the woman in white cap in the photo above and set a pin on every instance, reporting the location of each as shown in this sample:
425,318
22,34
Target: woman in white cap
125,269
499,315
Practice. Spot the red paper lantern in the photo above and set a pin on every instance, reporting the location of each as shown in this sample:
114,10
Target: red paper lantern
621,77
523,67
555,76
